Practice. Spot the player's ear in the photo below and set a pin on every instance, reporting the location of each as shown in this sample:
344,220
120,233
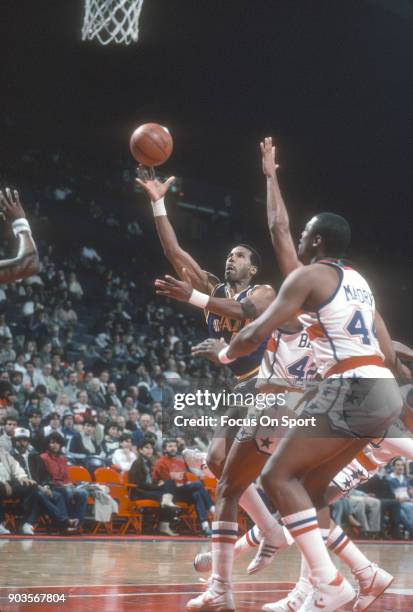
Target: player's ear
317,240
254,270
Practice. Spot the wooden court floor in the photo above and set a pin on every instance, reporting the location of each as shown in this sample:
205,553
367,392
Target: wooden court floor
147,575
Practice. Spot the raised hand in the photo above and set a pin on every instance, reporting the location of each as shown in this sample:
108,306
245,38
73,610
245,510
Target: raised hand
169,286
209,348
10,204
150,184
268,157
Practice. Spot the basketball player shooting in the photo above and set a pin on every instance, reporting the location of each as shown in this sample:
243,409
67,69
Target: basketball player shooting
229,306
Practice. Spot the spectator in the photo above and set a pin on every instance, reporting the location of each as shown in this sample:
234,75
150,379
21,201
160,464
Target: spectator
140,474
45,404
35,429
95,395
84,444
75,288
53,424
6,438
14,484
111,441
72,389
367,510
401,485
56,466
125,455
44,500
171,467
52,386
112,398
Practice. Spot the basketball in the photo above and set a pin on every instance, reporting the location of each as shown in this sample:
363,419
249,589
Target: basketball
151,144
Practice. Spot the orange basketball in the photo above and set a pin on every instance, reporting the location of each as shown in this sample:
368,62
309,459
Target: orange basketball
151,144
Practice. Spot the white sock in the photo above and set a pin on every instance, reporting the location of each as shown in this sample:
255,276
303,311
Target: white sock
346,550
204,525
255,507
224,536
303,527
304,580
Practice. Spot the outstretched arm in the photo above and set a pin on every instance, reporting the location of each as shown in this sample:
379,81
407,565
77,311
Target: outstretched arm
183,291
26,262
171,247
278,221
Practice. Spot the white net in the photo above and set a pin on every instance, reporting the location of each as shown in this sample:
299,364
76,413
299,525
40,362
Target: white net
112,21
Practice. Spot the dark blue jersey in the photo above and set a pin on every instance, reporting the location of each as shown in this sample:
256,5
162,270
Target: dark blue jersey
220,326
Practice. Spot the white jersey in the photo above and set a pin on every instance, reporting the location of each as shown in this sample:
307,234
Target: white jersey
343,326
288,360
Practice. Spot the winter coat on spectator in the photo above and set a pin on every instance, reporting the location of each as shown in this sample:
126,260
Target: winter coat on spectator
10,469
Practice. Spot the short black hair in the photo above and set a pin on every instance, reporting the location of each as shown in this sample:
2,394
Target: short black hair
54,437
125,436
145,441
168,441
255,256
335,232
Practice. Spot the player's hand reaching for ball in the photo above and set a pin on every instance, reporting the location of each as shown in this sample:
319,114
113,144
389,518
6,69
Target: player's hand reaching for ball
10,205
209,348
150,184
169,286
268,157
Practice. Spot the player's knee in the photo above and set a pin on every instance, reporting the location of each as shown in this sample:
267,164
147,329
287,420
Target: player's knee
228,488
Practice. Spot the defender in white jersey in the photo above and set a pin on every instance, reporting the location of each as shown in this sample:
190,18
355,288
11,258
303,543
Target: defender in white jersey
297,476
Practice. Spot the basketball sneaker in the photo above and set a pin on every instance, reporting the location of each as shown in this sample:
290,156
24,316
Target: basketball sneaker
203,562
217,598
373,581
294,599
265,554
197,460
328,597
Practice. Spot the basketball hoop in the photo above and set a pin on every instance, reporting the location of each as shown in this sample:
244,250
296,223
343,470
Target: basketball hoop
112,21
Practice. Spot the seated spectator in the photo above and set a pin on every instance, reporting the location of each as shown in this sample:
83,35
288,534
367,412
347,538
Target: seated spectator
367,510
125,455
112,398
14,484
19,392
56,466
74,287
81,405
95,395
401,486
44,500
34,420
172,467
52,385
53,424
390,507
72,388
62,404
140,474
132,424
68,430
111,441
6,437
45,403
84,445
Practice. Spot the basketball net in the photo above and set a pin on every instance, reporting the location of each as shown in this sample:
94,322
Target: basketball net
111,21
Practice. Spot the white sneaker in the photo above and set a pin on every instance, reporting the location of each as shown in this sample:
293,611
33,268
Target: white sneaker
218,598
293,601
328,597
3,530
197,460
265,554
372,584
27,529
203,562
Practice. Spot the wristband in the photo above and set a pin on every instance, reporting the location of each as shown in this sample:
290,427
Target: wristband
222,356
20,225
198,299
159,209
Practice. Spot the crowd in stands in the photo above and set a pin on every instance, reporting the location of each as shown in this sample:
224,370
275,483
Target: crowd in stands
91,362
